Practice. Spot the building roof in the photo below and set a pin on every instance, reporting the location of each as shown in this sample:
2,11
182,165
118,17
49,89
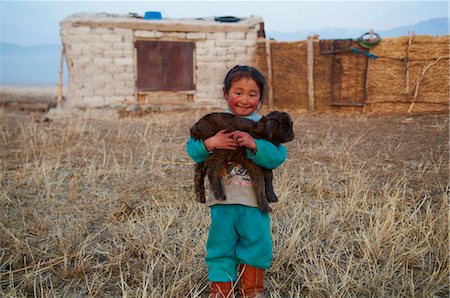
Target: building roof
132,21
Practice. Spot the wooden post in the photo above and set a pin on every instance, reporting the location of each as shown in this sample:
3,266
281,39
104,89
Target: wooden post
269,74
410,38
419,81
310,72
366,77
60,79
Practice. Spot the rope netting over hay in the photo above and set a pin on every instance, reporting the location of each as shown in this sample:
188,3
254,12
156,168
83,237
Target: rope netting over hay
408,70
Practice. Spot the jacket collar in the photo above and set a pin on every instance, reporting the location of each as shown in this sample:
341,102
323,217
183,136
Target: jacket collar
253,116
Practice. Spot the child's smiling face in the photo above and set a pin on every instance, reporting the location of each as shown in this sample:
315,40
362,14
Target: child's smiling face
243,97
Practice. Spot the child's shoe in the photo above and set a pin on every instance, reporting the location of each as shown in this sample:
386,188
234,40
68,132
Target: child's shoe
222,290
251,281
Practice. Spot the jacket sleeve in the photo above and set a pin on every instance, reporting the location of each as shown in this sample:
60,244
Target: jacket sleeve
267,154
196,150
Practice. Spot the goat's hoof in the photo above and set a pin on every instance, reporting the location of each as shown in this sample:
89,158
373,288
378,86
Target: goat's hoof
265,209
200,196
220,197
272,198
200,199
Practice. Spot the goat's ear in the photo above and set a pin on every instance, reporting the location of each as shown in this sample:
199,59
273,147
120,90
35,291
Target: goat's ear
271,127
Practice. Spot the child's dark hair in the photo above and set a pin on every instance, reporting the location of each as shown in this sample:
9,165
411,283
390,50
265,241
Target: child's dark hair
244,71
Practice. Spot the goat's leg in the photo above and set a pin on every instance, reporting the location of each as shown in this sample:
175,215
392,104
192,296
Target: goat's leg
257,176
213,167
268,181
199,182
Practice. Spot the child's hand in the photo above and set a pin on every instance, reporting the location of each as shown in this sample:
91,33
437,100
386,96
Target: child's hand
243,139
221,140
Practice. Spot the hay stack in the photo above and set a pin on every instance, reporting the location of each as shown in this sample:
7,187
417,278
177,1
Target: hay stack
288,72
407,71
417,72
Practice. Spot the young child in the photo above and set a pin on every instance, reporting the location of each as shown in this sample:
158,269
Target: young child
239,235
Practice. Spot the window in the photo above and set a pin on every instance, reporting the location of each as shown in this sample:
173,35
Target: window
165,66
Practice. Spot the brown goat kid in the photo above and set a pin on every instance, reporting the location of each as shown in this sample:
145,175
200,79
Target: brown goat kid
276,127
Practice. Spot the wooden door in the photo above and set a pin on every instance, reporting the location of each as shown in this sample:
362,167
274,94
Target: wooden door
348,72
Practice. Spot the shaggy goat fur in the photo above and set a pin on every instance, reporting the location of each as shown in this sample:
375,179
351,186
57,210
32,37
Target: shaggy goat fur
275,127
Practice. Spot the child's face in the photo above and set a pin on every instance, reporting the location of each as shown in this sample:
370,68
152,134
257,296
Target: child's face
243,97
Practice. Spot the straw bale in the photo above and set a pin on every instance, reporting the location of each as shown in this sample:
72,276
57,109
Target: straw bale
259,57
391,48
386,79
387,76
423,47
288,72
429,48
434,85
322,77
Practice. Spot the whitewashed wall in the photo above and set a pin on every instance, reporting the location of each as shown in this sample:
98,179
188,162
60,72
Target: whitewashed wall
102,65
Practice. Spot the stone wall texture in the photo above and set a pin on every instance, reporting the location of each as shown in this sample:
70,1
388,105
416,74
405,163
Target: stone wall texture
102,60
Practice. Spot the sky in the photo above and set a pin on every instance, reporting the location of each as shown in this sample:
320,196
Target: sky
31,23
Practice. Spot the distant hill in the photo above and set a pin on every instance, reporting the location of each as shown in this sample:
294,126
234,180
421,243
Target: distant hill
36,65
437,26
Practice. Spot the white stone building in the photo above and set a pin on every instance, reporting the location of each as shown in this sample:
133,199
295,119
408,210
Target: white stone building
119,59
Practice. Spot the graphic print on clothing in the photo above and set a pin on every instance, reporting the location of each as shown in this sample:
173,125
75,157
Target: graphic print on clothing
237,174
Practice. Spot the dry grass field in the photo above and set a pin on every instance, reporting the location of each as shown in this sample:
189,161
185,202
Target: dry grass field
29,98
105,208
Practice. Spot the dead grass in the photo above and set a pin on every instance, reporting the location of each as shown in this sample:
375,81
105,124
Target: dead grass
28,93
106,208
29,98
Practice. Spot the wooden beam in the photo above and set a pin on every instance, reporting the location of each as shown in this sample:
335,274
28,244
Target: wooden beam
60,78
164,26
408,49
269,74
310,72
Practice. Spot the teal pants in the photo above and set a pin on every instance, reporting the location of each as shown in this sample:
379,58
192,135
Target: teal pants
238,235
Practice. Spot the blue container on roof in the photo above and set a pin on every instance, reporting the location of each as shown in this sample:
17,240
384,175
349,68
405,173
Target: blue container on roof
152,15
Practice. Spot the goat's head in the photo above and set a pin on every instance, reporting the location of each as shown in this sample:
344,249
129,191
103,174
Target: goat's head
278,127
